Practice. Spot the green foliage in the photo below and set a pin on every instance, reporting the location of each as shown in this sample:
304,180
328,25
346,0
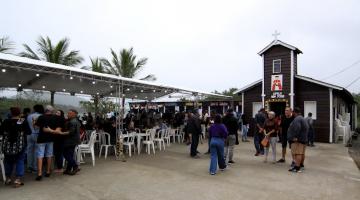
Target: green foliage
104,105
229,92
22,101
59,53
126,64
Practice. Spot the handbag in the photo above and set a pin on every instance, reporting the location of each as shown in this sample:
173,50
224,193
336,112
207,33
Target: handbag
265,142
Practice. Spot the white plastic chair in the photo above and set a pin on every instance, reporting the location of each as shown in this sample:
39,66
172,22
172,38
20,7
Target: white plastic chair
149,141
2,166
159,138
105,137
130,142
203,132
167,136
89,147
178,135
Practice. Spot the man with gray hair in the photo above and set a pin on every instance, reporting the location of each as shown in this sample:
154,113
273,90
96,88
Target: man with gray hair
71,140
48,124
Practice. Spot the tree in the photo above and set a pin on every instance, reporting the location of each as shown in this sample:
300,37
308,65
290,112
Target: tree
58,53
126,65
96,65
6,45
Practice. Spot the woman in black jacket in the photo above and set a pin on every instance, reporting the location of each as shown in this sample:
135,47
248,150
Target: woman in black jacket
14,146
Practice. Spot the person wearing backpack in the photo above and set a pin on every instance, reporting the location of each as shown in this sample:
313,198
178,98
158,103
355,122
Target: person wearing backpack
14,146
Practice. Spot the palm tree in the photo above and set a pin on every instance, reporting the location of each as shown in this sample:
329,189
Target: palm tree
96,66
126,65
6,45
59,54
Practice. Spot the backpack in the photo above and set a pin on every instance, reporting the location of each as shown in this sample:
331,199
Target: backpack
11,146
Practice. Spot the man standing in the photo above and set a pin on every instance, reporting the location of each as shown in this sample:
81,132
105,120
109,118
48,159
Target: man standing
310,122
297,134
260,118
285,123
48,124
232,126
70,142
32,138
193,128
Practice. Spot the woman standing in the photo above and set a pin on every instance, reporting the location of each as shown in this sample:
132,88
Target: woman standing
14,145
59,143
218,134
271,128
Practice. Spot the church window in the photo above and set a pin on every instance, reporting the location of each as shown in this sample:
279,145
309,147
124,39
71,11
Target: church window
277,66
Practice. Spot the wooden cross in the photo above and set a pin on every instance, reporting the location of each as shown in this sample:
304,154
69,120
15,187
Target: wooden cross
276,34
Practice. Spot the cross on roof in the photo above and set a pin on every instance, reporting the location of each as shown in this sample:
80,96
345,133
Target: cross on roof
276,34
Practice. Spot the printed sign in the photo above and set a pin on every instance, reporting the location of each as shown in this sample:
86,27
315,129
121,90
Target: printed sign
276,82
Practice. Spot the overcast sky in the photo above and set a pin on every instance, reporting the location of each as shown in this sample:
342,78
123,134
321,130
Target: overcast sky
198,44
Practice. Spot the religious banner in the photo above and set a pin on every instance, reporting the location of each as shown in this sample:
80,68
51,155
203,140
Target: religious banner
276,82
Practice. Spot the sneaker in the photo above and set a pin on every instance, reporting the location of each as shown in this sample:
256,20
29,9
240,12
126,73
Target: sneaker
38,178
196,157
222,169
292,164
212,173
47,175
302,167
231,162
295,170
257,154
76,170
281,160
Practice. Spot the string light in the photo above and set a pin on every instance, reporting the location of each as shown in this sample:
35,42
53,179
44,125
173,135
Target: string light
3,70
37,75
81,91
19,85
43,86
71,78
93,82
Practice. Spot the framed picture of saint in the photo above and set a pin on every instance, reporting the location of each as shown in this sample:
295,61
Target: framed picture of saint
276,82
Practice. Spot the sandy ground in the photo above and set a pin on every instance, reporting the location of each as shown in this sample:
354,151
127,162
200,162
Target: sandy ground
330,174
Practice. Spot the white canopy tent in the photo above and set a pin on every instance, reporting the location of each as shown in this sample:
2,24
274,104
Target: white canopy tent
24,73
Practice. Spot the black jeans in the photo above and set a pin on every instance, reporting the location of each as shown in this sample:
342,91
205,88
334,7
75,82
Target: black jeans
58,152
69,157
194,144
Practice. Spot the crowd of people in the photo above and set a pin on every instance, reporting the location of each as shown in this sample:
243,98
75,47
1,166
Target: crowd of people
31,140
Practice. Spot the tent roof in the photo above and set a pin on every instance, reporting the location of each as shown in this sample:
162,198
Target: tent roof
24,73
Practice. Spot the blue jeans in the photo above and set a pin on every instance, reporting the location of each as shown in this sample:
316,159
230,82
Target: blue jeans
244,132
18,160
257,140
31,151
217,154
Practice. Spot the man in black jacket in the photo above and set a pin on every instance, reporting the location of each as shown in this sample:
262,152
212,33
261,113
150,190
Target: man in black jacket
70,142
193,128
297,135
232,126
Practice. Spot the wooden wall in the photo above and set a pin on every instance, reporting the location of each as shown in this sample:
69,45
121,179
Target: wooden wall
250,96
307,91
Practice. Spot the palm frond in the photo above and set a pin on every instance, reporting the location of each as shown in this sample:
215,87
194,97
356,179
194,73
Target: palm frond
6,45
29,53
150,77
